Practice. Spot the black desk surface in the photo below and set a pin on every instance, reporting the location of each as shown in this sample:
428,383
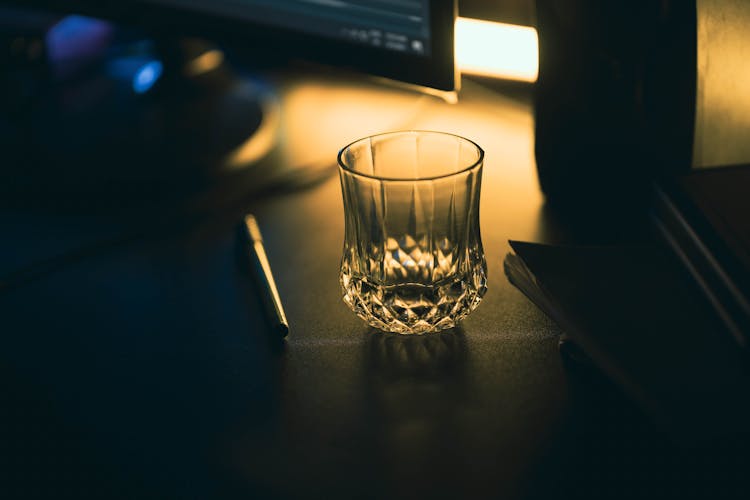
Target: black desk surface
144,370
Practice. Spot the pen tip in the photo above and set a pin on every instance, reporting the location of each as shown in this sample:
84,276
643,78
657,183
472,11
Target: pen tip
283,329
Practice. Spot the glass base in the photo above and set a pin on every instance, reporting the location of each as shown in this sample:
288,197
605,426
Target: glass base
414,308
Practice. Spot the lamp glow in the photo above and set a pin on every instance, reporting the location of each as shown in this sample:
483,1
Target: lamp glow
497,49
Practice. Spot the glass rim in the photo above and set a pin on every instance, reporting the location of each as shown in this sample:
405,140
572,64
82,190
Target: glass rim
349,170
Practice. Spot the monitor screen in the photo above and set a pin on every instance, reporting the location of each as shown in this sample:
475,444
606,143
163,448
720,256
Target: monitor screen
402,26
406,40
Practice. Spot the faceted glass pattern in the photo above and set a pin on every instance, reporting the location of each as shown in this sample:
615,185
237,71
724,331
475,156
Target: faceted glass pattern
413,259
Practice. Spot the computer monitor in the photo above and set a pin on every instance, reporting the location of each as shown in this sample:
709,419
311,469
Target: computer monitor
407,40
115,134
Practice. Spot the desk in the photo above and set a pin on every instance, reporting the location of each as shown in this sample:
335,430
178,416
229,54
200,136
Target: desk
145,371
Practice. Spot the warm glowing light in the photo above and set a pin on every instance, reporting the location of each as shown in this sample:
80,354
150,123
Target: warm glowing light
496,49
208,61
263,139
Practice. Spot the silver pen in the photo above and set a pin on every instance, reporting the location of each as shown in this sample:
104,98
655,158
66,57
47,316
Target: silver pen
262,269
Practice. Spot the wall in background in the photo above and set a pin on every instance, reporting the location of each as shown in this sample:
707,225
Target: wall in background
722,121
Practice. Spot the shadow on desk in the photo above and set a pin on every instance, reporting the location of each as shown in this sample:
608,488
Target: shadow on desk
647,463
415,385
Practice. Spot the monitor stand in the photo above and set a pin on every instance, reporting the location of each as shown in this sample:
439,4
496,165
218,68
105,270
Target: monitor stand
158,120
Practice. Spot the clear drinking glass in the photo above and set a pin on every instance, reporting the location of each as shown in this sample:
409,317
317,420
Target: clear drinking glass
413,260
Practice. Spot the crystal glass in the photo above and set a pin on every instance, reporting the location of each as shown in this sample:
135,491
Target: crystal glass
413,260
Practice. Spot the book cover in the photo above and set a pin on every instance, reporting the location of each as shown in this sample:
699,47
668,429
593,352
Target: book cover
639,317
705,219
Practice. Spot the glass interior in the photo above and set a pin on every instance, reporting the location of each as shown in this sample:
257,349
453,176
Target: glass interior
412,155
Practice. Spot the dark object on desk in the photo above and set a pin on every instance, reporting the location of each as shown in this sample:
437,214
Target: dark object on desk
23,58
642,322
615,98
705,218
130,127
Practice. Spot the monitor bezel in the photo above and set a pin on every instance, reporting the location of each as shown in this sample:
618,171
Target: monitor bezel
437,70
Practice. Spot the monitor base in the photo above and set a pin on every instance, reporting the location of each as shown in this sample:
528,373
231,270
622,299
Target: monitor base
142,125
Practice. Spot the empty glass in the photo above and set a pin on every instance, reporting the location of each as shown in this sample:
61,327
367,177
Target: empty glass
413,260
